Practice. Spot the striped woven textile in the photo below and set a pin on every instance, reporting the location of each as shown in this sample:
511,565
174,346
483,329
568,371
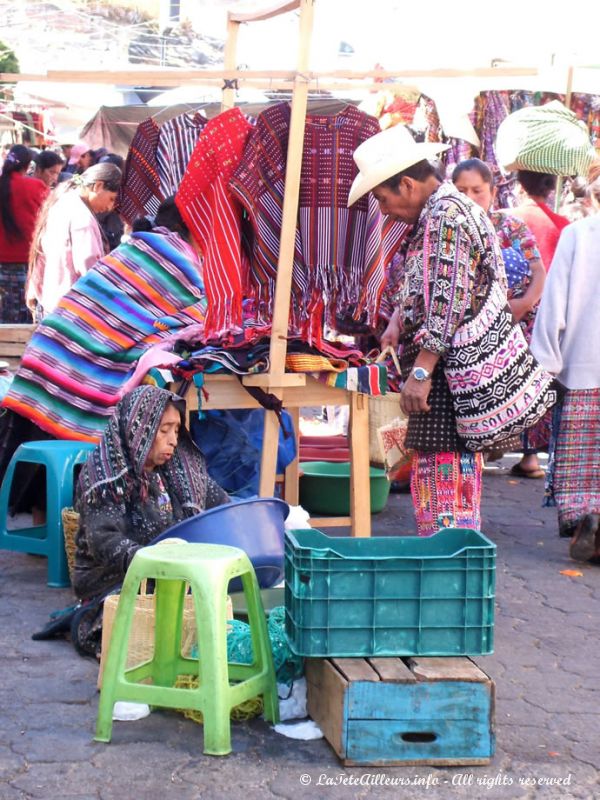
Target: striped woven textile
176,142
446,491
368,379
72,373
340,252
307,362
214,217
577,458
140,193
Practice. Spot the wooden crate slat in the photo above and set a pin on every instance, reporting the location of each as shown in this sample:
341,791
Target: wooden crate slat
392,669
325,700
450,668
355,669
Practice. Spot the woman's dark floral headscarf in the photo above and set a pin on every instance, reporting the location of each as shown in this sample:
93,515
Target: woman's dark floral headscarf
115,469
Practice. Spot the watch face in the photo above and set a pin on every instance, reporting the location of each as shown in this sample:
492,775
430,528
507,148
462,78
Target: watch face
420,374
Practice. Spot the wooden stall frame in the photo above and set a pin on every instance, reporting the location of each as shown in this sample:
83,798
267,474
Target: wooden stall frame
293,389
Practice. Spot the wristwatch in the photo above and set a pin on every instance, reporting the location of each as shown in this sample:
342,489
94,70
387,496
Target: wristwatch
421,374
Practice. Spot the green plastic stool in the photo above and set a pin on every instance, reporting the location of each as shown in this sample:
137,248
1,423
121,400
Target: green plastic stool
207,569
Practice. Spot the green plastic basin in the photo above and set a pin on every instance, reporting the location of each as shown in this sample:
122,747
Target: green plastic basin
325,488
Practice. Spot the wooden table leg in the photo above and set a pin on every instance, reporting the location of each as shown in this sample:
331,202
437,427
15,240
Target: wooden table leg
360,485
268,462
292,472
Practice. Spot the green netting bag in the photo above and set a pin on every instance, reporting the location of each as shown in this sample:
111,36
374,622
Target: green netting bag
547,138
288,666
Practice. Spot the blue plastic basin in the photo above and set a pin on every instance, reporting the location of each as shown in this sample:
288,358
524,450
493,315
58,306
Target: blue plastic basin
256,526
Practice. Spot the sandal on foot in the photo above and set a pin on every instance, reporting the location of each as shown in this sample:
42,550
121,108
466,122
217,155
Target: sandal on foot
583,544
519,472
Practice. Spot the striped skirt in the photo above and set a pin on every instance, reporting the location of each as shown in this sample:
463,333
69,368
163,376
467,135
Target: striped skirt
577,458
446,491
13,310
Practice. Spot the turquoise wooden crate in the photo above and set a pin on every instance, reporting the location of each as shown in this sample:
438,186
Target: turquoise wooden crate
390,596
391,711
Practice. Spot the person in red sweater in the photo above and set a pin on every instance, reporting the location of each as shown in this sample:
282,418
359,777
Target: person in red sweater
20,201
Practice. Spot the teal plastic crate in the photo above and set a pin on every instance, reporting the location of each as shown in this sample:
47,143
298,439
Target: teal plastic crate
390,596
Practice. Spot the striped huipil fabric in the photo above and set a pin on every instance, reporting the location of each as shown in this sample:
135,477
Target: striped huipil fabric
213,216
140,193
76,364
259,183
178,137
339,252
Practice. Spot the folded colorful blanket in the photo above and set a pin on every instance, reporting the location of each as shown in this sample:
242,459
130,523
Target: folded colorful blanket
77,362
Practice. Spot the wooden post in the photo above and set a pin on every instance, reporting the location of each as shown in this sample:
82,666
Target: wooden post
281,304
229,60
292,472
360,495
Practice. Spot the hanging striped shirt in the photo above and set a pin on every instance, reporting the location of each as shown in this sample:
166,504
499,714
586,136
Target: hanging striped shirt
214,217
178,137
140,193
340,252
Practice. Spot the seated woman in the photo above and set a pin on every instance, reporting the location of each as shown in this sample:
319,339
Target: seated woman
145,475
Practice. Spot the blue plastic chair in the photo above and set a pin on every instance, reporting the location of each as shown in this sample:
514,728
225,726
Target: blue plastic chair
59,458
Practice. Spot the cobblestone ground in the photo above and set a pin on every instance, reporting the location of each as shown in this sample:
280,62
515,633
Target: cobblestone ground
545,666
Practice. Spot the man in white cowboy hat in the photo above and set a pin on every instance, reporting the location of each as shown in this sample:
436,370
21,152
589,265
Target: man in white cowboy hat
445,264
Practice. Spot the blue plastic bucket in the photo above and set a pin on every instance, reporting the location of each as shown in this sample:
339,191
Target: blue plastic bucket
256,526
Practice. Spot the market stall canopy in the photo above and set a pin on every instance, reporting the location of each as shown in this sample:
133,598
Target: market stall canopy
69,109
113,127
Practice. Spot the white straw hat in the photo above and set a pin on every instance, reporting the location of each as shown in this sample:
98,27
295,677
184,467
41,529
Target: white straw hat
386,154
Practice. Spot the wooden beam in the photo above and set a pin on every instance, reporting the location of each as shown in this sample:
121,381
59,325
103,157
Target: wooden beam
291,199
158,76
180,77
330,522
264,380
560,181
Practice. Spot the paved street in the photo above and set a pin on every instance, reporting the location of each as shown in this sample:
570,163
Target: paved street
545,667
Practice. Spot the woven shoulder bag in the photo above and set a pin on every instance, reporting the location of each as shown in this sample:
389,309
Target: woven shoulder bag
498,388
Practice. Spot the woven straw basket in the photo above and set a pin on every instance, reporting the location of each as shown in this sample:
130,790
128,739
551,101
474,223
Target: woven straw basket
383,409
141,636
70,520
